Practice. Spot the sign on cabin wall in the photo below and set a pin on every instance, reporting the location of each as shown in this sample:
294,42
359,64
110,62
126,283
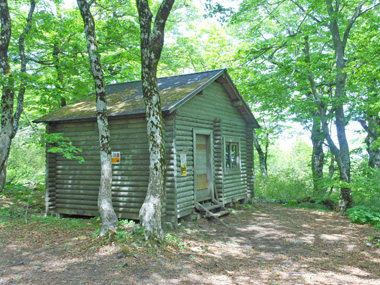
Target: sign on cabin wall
115,158
183,163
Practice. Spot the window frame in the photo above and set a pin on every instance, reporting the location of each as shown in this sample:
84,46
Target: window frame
231,141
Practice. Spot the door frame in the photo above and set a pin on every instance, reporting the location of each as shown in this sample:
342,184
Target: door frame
210,160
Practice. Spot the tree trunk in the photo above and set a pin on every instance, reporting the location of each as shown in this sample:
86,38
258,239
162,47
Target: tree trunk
373,155
7,92
9,121
107,213
57,62
262,155
151,210
342,154
59,83
3,177
372,129
151,47
317,161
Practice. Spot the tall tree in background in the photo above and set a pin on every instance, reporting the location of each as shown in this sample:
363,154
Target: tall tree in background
340,27
152,42
9,118
302,46
366,75
107,213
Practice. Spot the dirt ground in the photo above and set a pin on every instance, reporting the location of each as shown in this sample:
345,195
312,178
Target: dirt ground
267,244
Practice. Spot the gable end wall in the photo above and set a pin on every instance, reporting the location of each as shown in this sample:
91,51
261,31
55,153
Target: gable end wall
211,110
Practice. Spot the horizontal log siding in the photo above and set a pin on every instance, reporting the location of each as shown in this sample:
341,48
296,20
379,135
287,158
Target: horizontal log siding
200,113
250,163
73,187
50,193
77,185
218,160
171,194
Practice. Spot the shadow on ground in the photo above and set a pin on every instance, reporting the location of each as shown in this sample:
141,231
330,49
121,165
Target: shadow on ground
268,244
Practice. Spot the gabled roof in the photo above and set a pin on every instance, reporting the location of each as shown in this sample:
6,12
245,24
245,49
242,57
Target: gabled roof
126,98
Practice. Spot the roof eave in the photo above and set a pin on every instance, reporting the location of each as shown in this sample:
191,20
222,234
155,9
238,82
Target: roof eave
164,112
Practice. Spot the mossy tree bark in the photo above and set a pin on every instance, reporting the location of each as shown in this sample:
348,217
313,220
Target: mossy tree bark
9,118
318,156
151,47
106,210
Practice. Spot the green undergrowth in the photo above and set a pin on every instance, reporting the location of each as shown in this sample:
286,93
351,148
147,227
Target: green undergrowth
22,216
367,215
131,234
20,201
318,205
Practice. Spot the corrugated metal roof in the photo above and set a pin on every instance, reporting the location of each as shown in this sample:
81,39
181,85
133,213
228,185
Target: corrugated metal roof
127,98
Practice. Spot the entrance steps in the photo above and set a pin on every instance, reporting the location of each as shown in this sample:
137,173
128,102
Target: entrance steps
212,209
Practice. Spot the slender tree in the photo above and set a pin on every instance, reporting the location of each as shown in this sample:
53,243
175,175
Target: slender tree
107,213
152,42
9,118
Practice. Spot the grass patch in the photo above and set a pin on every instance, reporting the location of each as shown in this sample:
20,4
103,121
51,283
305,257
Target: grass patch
22,221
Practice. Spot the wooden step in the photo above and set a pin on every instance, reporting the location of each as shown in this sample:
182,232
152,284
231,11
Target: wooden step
212,207
222,213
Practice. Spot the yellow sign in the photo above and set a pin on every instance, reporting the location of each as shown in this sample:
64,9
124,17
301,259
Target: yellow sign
183,163
115,158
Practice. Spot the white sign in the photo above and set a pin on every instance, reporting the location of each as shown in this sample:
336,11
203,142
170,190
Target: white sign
116,157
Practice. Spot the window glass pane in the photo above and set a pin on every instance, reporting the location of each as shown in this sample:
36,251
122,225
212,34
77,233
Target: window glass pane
234,154
227,149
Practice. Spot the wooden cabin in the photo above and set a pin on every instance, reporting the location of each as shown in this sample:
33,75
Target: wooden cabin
209,148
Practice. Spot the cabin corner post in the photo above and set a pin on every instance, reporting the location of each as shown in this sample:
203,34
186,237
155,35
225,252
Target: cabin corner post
218,160
170,200
250,164
50,177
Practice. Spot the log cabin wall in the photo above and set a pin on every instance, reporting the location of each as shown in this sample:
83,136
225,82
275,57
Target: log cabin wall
73,187
211,110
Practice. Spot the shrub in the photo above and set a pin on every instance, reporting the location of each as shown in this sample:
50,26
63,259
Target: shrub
365,215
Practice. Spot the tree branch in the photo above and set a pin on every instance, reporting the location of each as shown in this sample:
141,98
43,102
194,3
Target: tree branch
157,39
21,44
305,12
351,23
119,45
369,132
320,104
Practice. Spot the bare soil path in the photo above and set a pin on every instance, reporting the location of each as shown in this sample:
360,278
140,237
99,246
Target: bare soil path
267,244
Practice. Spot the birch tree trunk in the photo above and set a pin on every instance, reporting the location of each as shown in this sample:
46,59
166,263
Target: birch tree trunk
10,120
151,47
107,213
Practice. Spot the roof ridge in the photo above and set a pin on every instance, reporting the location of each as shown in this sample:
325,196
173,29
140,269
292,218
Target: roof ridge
164,77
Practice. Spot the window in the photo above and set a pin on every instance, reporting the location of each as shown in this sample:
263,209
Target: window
232,155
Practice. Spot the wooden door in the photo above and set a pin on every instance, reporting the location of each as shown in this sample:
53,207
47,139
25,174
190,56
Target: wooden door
203,168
